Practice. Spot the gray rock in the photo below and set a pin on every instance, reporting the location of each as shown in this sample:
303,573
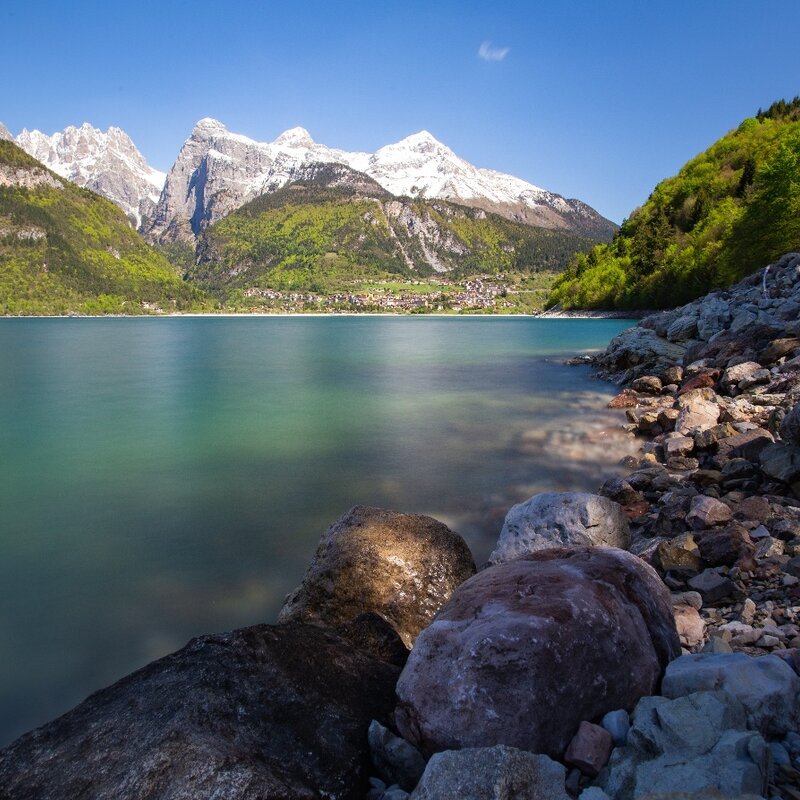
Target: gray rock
782,462
712,586
741,372
641,350
394,758
790,426
491,773
767,687
714,315
400,566
683,328
705,512
617,723
558,519
268,711
593,793
692,744
490,669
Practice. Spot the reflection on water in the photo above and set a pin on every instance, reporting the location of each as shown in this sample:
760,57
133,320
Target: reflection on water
162,478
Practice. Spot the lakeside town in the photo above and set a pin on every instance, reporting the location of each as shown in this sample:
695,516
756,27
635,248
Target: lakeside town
414,297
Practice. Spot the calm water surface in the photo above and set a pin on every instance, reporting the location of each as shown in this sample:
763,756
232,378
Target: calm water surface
162,478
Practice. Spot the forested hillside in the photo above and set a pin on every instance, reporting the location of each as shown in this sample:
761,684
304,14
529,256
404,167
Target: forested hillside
731,209
64,250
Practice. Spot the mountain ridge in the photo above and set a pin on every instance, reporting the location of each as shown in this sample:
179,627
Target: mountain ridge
218,170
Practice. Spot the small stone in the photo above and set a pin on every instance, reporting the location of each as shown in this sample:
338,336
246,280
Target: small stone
394,758
647,384
741,634
748,612
617,723
679,554
790,580
712,586
768,547
690,626
780,755
593,793
716,644
692,599
768,641
705,512
677,445
573,782
589,749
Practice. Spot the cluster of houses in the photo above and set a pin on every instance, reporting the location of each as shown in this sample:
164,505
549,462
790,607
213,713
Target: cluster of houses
477,293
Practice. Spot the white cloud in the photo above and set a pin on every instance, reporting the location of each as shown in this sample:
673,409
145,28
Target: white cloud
489,53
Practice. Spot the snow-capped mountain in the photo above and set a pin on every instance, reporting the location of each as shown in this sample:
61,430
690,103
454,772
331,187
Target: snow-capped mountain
5,133
107,163
217,171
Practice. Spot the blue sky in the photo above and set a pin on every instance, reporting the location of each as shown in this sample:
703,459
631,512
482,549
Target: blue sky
595,100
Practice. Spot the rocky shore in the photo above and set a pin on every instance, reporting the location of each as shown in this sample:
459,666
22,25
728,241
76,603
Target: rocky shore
641,642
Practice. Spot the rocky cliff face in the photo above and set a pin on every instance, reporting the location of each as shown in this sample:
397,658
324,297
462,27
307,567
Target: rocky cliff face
107,163
218,171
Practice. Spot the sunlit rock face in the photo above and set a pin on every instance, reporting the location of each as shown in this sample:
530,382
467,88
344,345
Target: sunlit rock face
527,650
401,566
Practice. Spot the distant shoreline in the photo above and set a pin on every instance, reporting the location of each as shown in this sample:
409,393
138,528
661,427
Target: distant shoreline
632,315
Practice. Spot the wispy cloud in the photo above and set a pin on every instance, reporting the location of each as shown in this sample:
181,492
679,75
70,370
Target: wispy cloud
490,53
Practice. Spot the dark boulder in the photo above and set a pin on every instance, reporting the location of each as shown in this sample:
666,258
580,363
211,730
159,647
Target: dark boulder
403,567
527,650
268,711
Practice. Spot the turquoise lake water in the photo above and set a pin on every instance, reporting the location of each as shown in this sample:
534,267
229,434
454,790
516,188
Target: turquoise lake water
166,477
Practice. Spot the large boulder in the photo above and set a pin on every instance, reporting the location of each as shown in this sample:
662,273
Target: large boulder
767,687
527,650
268,711
401,566
561,519
491,773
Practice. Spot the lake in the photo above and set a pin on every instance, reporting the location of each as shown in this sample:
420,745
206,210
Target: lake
166,477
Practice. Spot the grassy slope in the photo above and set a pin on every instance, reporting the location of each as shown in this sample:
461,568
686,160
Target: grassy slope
322,239
64,249
729,211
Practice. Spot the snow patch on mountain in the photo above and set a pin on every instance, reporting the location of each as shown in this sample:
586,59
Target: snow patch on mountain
105,162
217,171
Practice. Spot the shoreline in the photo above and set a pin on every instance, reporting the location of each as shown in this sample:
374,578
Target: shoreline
294,314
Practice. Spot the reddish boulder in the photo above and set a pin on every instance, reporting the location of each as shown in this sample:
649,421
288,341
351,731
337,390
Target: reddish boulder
400,566
525,651
589,749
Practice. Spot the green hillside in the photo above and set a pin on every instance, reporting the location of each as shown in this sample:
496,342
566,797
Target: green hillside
64,250
727,212
338,227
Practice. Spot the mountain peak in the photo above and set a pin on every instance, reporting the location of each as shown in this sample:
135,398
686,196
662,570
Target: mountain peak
209,125
421,139
295,137
5,133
